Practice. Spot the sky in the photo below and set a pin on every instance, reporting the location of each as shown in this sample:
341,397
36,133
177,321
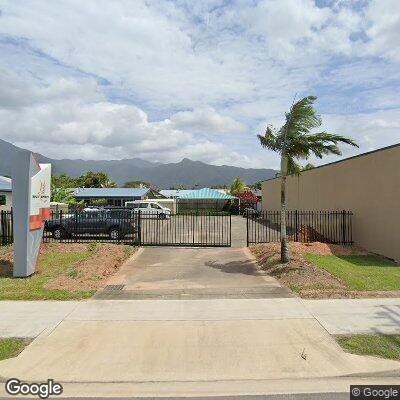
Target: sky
165,80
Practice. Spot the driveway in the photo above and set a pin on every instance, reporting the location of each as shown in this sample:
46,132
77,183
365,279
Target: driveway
239,333
192,273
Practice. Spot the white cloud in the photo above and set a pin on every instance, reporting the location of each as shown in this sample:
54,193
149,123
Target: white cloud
205,120
68,119
101,79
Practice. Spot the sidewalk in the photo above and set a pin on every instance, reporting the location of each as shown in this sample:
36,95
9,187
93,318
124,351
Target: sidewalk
345,316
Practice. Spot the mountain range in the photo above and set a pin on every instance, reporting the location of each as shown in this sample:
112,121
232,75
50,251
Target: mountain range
187,172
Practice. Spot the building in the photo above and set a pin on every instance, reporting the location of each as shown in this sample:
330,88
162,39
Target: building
205,199
5,193
174,193
114,196
367,184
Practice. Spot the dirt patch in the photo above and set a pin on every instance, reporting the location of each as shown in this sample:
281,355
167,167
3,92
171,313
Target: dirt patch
304,278
6,261
90,273
103,261
324,249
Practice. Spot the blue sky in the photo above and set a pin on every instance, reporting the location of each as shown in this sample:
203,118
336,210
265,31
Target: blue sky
164,80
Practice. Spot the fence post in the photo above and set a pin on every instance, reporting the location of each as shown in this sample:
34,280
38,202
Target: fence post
296,226
193,223
2,233
76,226
139,222
247,229
344,241
230,229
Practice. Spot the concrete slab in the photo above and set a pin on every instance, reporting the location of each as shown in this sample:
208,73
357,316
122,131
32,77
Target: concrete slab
189,310
173,351
30,318
351,316
168,272
238,231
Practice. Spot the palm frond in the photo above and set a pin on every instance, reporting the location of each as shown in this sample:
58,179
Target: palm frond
302,117
293,167
269,140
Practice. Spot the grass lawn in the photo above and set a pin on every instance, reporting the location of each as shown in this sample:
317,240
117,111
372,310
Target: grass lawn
66,271
11,347
51,265
360,272
372,345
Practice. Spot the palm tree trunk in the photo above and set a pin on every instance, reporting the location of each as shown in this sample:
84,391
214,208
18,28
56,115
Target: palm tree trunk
284,249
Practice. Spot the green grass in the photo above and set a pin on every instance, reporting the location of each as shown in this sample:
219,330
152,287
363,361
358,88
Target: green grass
363,273
11,347
51,265
372,345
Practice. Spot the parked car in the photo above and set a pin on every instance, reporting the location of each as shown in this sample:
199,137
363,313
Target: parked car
149,209
251,212
116,223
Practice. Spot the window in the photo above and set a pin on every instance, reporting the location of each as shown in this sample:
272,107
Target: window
143,205
3,200
156,206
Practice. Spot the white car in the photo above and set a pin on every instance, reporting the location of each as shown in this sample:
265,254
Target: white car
149,209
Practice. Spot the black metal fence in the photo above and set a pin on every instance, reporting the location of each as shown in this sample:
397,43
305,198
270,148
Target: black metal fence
6,228
201,229
131,227
301,226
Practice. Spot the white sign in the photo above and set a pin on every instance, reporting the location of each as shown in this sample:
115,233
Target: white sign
40,197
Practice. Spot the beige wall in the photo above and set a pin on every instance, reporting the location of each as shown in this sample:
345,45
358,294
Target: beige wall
368,185
8,205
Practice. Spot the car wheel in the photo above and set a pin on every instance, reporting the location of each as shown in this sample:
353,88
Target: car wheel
161,216
114,234
58,233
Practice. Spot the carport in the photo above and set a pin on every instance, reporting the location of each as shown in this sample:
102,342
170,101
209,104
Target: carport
205,199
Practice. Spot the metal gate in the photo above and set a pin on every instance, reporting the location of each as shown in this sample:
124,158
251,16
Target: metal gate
200,229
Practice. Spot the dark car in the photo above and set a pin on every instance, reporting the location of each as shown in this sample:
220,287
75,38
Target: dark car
250,212
115,223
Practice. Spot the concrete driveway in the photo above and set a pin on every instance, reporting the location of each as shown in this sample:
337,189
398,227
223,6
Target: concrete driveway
220,341
192,273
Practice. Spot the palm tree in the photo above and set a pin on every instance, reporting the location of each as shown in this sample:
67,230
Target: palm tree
294,141
307,167
238,186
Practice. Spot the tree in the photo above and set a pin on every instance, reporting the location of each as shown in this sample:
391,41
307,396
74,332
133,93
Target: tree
62,195
63,181
247,199
294,141
307,167
256,185
238,186
136,184
95,180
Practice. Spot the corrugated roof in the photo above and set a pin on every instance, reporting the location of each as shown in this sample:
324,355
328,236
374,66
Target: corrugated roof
5,184
109,192
174,192
206,193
